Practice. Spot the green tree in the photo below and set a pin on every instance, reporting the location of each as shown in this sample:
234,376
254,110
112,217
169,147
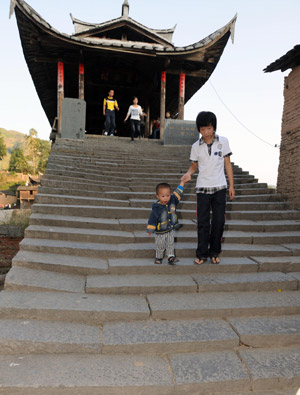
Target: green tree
18,162
38,151
3,149
45,148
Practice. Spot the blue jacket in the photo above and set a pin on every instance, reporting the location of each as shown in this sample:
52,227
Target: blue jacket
163,218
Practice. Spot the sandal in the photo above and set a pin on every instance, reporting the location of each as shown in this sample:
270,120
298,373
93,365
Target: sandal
215,259
158,261
199,261
171,260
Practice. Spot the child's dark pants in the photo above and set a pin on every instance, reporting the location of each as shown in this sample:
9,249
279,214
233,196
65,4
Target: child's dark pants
210,236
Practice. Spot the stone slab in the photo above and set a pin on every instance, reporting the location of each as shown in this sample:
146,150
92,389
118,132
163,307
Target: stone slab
21,278
168,336
81,234
276,368
268,331
284,264
39,337
73,118
223,304
206,373
85,374
71,307
293,247
60,263
262,281
139,284
183,266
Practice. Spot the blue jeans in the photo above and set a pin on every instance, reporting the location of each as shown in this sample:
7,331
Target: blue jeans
210,235
135,128
110,121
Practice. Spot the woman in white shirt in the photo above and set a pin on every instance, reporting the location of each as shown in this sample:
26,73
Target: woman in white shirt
134,112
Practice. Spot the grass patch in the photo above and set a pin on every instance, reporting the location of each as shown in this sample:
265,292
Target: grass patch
19,218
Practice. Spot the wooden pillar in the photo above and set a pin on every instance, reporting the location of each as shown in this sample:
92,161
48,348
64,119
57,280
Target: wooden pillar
163,103
148,120
60,92
181,96
81,81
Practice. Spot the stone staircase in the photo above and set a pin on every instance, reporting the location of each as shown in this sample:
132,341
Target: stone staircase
86,311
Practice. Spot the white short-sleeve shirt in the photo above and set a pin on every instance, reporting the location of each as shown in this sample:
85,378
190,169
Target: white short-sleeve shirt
135,112
211,167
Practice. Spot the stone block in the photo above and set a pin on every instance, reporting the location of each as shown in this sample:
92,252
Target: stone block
178,132
42,337
207,373
71,307
168,336
73,118
223,304
87,374
277,368
268,331
139,284
21,278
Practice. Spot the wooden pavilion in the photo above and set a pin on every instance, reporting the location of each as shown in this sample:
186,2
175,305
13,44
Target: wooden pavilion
121,54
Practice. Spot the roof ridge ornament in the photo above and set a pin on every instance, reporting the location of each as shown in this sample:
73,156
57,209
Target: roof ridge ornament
125,9
12,7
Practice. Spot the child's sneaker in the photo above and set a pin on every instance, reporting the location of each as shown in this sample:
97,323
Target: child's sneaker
171,260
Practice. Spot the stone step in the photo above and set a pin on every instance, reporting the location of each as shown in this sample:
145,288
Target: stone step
61,182
24,279
200,335
108,236
225,372
125,181
88,266
45,337
97,309
72,307
137,212
143,203
228,265
148,284
61,263
170,174
130,225
268,197
230,206
146,250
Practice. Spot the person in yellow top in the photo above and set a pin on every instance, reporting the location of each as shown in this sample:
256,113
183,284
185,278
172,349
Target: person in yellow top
109,106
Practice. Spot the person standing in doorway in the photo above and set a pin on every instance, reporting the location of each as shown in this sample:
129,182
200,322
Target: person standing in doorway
135,112
109,107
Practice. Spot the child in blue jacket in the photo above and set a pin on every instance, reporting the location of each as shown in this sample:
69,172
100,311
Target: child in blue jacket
163,221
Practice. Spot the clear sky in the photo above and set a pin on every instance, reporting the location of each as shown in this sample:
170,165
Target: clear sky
265,30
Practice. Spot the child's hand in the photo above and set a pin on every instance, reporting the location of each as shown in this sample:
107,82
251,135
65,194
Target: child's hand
149,234
186,178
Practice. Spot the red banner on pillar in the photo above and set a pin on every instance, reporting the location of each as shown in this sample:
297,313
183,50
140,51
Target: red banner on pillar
60,73
81,68
163,76
182,85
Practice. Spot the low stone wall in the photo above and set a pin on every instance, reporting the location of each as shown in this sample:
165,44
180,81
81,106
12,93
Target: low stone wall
288,182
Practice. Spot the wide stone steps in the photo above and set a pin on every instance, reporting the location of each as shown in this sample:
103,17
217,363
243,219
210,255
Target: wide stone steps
115,212
110,236
86,311
129,225
145,250
126,195
151,337
21,278
95,309
71,264
146,203
223,372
